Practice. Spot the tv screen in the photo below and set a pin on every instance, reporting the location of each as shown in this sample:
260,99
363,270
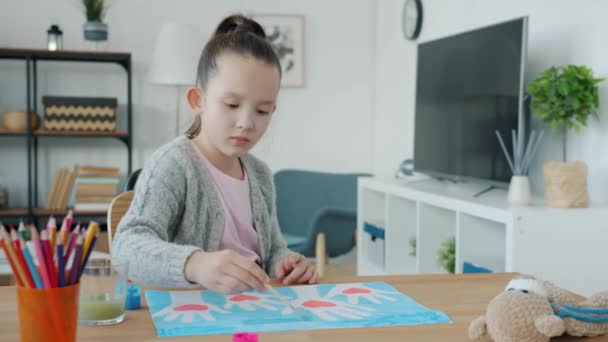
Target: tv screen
468,86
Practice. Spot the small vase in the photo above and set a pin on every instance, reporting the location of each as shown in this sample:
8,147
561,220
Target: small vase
519,191
95,31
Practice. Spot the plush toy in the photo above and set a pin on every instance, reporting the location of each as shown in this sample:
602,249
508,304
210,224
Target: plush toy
534,311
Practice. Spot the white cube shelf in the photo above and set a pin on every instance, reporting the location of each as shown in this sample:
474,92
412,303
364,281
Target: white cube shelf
566,246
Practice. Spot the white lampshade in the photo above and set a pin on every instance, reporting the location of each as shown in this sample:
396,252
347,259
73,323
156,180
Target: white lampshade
176,54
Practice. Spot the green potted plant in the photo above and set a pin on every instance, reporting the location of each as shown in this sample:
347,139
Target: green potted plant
446,255
95,29
565,97
412,243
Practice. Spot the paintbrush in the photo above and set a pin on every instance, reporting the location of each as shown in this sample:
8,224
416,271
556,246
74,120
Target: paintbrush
285,300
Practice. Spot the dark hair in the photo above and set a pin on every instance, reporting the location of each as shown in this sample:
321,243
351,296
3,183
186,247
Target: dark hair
238,34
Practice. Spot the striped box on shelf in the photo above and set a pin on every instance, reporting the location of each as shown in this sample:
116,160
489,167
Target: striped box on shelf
80,113
96,187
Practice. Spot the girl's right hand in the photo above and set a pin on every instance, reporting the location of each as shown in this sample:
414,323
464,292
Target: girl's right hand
225,271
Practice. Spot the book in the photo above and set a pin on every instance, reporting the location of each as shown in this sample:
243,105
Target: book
56,196
96,171
91,206
97,180
51,191
94,199
96,190
67,189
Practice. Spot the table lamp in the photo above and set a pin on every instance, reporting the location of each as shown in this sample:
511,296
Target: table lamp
175,59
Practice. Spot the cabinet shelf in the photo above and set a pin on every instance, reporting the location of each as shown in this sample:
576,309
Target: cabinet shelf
16,212
13,212
6,132
66,55
50,133
31,58
488,232
62,212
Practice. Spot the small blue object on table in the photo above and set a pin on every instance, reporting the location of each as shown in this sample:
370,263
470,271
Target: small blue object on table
133,301
468,267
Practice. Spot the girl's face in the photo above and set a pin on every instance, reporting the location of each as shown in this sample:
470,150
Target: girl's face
237,105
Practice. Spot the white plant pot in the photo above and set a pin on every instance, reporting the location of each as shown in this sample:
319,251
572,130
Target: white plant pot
95,31
519,191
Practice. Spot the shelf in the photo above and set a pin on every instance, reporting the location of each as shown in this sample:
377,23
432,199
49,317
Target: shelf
6,132
31,57
487,233
13,212
49,212
61,212
50,133
65,55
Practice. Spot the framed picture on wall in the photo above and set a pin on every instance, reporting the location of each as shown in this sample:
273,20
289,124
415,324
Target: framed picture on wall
286,34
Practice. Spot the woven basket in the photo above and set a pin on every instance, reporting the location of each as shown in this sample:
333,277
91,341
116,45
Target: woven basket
566,185
80,113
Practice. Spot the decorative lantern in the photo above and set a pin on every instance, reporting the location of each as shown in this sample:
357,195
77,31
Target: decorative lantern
55,38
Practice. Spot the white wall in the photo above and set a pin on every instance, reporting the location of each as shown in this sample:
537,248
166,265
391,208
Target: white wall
356,110
560,32
323,126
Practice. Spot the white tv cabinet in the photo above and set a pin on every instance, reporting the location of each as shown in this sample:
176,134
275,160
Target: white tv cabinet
566,246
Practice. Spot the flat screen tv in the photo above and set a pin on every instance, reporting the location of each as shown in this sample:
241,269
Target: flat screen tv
468,86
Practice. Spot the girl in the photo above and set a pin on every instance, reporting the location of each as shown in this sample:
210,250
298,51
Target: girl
204,209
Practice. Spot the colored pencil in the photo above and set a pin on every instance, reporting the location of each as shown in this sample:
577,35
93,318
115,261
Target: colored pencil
52,227
76,261
13,236
40,257
88,254
21,231
88,238
63,231
60,264
67,222
46,249
10,260
32,267
66,227
9,249
72,241
19,252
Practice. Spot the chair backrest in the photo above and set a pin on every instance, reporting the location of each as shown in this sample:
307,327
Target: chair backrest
130,185
118,208
301,194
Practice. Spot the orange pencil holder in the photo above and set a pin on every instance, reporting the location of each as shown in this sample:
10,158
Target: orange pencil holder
48,314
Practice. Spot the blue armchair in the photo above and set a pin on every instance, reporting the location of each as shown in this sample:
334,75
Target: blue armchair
312,203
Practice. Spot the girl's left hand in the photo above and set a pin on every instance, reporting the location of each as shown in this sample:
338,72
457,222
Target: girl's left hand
295,269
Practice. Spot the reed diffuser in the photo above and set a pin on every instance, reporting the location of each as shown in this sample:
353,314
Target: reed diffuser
520,162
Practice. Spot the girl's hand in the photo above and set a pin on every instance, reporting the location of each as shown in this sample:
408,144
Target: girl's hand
225,271
295,269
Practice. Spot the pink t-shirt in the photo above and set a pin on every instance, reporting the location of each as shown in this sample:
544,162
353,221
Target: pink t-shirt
239,234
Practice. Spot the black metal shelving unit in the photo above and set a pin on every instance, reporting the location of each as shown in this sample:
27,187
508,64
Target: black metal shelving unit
31,58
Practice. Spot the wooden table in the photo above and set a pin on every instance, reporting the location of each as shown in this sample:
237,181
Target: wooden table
462,297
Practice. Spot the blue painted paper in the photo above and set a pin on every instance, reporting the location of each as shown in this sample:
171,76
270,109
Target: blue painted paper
324,306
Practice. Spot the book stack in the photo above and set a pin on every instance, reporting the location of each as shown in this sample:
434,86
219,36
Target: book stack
96,187
61,188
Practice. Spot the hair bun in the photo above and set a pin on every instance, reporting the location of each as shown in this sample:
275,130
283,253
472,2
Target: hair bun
240,23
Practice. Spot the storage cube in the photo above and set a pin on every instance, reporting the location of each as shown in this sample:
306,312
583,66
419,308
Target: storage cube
80,113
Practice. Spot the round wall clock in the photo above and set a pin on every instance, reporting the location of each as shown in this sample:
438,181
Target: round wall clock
411,19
